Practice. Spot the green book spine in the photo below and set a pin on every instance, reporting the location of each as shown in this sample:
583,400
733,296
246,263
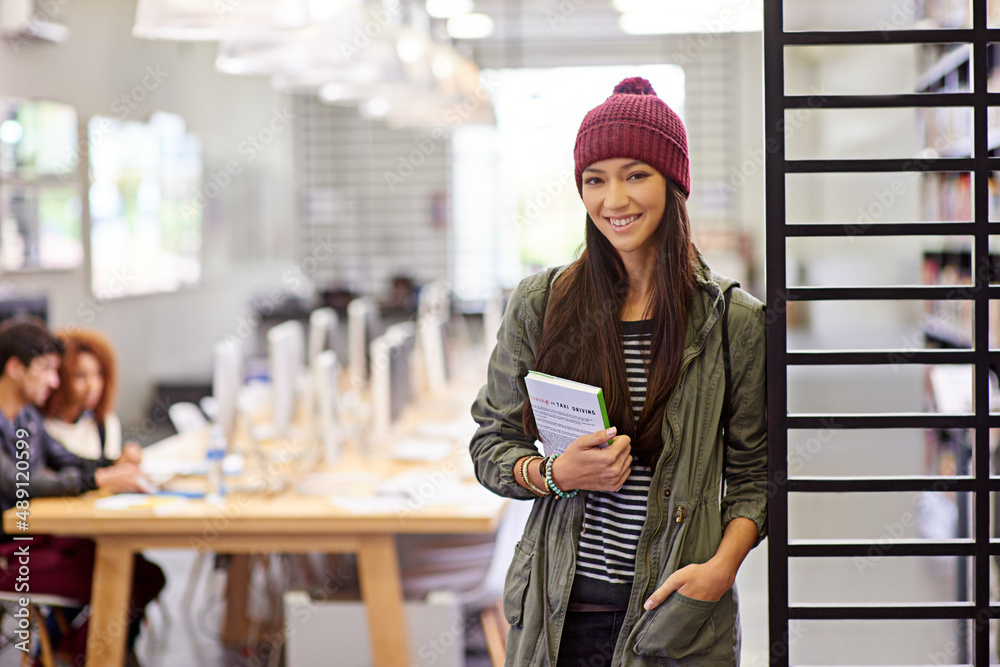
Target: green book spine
604,410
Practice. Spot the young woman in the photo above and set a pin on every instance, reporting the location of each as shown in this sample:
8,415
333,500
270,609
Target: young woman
80,412
631,550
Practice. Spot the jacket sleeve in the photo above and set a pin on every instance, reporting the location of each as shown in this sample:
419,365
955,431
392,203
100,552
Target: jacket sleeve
746,452
53,471
500,440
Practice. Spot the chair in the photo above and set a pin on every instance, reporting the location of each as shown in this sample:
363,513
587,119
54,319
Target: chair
187,417
488,597
36,621
485,595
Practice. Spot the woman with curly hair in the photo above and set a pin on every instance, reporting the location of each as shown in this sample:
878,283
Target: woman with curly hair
80,412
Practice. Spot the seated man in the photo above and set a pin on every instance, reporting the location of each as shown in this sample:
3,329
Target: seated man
29,364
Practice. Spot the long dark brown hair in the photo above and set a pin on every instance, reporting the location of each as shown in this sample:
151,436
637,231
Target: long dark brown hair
581,332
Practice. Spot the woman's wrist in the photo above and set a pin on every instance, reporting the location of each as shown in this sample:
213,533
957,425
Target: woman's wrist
559,474
518,467
737,540
726,567
551,483
535,472
525,476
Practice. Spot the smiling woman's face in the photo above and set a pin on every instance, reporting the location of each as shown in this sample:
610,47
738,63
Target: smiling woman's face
626,199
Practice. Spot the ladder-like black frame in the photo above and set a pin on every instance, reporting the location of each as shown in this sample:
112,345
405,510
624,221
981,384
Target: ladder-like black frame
978,483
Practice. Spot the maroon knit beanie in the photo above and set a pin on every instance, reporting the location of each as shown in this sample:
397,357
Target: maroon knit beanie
634,123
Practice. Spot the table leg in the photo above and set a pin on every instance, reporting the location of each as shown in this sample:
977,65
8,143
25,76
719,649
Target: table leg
236,628
109,603
382,593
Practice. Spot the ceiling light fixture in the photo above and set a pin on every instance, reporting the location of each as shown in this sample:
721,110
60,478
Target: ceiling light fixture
470,26
446,9
333,92
643,17
378,107
11,131
412,46
442,65
196,20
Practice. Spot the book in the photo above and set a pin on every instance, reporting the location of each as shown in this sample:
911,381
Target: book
564,410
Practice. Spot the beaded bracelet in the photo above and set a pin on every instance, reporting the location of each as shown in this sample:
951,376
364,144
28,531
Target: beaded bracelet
551,482
541,471
527,481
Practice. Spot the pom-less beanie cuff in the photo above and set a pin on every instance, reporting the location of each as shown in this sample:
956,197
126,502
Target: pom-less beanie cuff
634,123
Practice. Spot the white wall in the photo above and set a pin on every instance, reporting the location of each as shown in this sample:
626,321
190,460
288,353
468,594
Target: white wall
249,228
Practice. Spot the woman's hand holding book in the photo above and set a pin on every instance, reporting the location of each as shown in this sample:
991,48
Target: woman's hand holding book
590,464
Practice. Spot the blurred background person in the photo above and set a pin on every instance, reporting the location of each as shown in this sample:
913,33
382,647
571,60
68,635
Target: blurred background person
80,412
29,373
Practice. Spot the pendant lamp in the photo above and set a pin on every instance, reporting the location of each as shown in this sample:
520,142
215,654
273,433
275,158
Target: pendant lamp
206,20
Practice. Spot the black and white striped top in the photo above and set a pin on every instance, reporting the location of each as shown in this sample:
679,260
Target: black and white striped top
612,521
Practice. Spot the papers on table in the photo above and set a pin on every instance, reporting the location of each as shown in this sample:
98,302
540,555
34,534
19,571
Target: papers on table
160,469
340,483
466,499
460,430
415,449
131,501
369,504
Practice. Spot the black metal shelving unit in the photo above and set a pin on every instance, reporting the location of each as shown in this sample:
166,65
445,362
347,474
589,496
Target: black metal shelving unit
978,482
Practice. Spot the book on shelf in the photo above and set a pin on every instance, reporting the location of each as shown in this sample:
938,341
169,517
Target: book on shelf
564,410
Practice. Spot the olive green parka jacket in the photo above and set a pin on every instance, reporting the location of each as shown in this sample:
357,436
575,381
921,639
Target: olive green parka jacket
699,485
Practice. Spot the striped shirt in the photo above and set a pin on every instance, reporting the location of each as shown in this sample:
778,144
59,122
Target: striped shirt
612,521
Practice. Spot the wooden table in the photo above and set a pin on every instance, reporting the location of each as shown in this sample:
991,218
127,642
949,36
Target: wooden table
252,523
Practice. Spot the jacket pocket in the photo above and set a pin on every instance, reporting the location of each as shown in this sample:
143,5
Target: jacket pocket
516,585
678,628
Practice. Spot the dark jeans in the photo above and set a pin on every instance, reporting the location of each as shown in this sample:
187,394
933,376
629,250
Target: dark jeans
589,638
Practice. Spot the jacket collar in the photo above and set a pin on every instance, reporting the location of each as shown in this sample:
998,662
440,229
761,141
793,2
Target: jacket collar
706,304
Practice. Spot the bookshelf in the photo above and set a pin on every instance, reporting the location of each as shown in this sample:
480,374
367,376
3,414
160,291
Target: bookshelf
948,196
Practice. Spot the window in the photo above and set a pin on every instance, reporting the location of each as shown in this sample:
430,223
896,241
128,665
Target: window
40,188
145,220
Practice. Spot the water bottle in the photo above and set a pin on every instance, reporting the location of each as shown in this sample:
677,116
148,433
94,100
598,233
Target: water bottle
215,488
